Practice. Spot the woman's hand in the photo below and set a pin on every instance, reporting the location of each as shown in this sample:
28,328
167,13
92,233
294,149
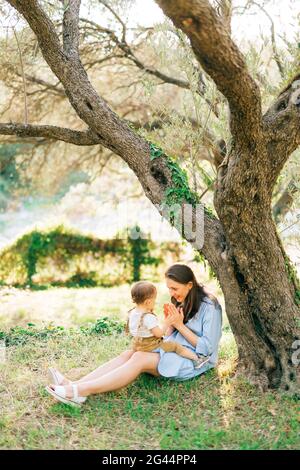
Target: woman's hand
175,316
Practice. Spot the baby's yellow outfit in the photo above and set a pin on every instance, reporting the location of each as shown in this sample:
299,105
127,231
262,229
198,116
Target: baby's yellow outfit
139,325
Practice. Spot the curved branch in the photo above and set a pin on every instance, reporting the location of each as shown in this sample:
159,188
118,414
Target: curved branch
51,132
222,60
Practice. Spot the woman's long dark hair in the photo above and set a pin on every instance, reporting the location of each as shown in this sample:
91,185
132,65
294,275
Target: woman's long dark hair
183,274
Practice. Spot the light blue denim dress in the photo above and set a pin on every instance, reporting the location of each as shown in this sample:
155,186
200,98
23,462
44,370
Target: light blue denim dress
207,324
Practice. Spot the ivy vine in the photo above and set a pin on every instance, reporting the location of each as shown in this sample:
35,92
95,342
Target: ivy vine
180,191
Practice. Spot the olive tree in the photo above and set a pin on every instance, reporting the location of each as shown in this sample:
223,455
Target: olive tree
241,242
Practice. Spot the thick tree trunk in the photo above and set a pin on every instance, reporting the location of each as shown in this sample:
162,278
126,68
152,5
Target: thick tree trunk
264,327
260,291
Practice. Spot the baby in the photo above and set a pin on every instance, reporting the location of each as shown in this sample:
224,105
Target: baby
143,325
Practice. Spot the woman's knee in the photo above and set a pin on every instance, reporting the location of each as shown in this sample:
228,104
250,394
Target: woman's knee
138,355
139,358
127,354
145,360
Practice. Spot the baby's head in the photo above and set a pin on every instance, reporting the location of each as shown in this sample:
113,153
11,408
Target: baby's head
144,294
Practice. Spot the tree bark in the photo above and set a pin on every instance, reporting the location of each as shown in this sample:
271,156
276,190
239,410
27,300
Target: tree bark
264,314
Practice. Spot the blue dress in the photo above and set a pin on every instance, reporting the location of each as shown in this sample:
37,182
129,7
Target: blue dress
207,324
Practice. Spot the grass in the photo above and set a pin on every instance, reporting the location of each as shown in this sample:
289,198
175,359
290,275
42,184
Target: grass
213,411
67,307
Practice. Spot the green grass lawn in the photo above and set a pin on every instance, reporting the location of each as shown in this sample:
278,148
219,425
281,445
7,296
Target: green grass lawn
213,411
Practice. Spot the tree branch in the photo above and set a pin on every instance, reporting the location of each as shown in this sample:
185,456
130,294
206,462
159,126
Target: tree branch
131,56
222,60
46,85
282,127
273,39
51,132
124,29
90,107
71,26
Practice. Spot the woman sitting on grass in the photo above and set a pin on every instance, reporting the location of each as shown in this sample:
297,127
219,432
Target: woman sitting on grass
195,318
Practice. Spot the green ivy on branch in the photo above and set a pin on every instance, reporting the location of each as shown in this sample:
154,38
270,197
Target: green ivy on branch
180,192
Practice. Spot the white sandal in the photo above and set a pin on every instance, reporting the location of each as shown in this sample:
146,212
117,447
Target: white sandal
55,377
59,393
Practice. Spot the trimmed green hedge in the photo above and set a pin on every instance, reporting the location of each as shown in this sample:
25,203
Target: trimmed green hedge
62,257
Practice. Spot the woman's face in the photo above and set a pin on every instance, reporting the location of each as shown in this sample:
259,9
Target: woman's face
177,290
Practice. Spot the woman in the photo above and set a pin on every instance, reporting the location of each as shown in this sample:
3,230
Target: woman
196,322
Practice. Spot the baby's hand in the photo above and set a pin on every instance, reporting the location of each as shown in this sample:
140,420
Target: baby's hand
170,330
166,310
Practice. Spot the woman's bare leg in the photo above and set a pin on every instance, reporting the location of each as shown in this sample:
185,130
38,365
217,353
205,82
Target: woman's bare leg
107,367
104,368
120,377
